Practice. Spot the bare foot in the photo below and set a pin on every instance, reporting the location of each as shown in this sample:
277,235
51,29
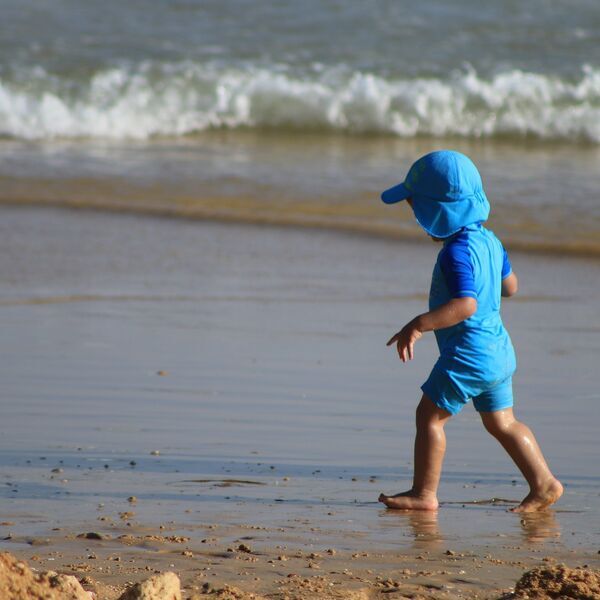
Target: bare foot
409,501
542,498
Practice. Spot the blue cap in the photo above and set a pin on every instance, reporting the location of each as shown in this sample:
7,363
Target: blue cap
446,191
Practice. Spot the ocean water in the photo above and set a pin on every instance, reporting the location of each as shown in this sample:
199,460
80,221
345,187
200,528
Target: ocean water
301,113
106,70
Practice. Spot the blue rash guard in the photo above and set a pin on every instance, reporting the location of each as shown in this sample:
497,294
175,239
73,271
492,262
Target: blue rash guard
477,358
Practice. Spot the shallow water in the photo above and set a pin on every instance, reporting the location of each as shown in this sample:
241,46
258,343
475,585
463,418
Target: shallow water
543,196
272,341
273,113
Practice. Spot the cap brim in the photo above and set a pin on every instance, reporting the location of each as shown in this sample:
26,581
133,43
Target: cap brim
395,194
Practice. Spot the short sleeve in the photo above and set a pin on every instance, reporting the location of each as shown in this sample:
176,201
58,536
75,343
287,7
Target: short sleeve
457,268
506,266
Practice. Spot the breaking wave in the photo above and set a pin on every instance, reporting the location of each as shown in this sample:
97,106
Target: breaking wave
152,99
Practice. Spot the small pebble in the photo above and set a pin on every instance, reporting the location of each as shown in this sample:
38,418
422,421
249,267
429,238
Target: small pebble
92,535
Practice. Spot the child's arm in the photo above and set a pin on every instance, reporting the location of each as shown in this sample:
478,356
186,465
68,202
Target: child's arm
446,315
510,285
509,279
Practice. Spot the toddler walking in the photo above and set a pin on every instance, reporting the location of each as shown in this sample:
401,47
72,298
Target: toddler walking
477,359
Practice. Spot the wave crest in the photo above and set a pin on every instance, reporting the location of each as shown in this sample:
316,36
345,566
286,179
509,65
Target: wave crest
150,99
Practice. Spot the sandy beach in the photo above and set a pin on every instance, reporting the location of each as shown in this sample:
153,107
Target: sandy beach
217,400
198,280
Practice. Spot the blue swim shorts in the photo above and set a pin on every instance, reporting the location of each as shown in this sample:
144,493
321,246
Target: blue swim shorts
451,391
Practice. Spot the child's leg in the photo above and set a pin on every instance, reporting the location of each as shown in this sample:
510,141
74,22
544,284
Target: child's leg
520,443
430,447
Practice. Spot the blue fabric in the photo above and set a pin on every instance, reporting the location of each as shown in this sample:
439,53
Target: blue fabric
498,397
506,266
477,353
447,395
446,191
457,267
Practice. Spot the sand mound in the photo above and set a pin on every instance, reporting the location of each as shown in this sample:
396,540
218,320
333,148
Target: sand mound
18,582
559,582
164,586
227,592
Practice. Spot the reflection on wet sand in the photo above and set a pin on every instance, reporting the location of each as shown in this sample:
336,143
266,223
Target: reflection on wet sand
422,525
539,527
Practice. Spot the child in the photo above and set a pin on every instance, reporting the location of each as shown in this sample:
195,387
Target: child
477,359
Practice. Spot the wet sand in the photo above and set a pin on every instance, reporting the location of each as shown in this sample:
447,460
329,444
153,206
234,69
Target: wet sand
273,562
543,195
235,381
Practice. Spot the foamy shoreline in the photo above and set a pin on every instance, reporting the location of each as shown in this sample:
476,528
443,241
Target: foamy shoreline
136,101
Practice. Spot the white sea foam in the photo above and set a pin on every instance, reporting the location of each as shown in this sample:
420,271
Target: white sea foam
152,99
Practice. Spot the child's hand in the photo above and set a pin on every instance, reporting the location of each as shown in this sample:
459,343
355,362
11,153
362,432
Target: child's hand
405,340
